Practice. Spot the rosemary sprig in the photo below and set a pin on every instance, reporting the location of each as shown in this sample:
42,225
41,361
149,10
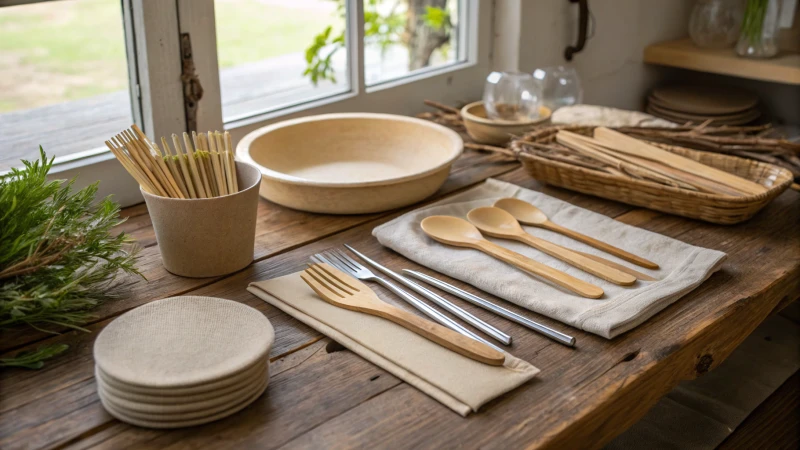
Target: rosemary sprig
58,259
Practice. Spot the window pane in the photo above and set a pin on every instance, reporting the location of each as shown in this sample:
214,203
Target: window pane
277,53
63,78
401,36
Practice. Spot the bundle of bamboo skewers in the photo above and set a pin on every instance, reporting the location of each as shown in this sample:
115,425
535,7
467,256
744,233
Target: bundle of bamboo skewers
624,156
205,168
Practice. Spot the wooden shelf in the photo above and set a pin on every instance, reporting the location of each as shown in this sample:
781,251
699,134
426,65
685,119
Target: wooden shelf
784,68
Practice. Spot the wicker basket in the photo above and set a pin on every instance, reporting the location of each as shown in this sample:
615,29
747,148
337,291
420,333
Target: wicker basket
696,205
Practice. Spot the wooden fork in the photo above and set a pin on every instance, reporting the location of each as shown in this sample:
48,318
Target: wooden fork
344,291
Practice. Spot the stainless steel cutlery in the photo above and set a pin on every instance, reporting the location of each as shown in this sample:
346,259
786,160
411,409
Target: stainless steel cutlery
437,299
499,310
341,261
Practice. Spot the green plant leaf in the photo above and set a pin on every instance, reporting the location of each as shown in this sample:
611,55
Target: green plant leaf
437,18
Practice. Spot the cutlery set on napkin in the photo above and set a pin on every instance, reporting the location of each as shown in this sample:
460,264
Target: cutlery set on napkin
570,264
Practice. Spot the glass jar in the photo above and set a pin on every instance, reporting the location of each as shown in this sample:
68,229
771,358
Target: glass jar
561,86
758,38
716,23
514,96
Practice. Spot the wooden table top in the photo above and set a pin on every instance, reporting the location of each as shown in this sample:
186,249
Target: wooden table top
320,396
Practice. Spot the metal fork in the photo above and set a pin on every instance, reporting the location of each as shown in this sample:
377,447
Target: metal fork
350,266
436,299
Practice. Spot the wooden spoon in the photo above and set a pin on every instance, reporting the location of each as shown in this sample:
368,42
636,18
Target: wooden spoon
496,222
460,233
528,214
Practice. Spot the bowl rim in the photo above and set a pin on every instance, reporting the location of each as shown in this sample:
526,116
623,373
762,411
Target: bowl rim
243,149
466,114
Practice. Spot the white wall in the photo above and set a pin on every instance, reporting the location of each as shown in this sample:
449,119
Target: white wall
610,65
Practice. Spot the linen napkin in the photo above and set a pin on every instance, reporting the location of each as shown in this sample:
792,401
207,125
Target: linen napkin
456,381
682,268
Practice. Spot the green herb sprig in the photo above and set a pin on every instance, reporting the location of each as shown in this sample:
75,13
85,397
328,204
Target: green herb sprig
58,258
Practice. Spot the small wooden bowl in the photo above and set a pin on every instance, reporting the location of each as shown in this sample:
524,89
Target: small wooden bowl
351,163
497,132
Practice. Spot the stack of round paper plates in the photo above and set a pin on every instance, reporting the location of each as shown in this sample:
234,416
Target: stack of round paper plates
182,361
686,103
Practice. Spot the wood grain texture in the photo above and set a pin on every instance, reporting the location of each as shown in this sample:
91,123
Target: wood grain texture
583,398
278,229
785,68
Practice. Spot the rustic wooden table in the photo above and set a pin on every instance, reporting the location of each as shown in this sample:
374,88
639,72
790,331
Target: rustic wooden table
322,397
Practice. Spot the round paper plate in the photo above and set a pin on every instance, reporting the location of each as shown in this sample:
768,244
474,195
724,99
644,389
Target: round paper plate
183,342
200,389
191,410
193,401
705,99
157,422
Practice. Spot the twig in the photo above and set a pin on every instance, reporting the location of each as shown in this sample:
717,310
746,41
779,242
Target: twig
442,107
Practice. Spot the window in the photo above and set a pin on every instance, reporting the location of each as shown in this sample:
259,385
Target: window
258,61
271,53
403,36
63,77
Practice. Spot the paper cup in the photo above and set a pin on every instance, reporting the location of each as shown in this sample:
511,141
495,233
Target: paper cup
208,237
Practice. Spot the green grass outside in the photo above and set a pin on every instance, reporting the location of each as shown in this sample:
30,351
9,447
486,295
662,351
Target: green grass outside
65,50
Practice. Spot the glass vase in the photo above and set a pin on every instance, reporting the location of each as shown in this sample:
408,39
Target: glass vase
758,38
561,86
716,23
513,96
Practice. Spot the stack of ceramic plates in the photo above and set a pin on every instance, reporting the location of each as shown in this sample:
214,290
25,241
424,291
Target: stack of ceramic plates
696,104
182,361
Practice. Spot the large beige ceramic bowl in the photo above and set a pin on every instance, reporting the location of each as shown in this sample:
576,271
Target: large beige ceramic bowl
351,163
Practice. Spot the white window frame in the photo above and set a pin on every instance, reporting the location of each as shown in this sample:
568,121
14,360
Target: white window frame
153,34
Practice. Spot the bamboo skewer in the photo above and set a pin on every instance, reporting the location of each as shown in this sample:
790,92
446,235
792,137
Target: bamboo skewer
193,165
225,165
172,164
153,161
209,173
132,146
201,167
174,167
131,167
219,177
184,166
149,146
120,142
232,159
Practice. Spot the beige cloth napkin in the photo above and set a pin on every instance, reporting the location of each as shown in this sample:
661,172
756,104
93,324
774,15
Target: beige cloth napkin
683,267
460,383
